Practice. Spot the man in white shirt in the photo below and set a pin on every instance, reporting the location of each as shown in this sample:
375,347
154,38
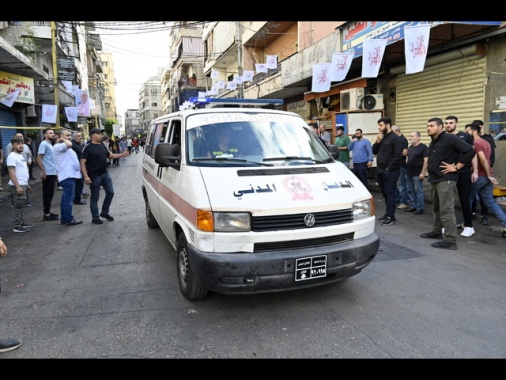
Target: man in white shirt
18,183
27,154
69,170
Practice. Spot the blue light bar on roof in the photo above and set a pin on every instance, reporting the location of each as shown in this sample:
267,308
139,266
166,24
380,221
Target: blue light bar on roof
236,101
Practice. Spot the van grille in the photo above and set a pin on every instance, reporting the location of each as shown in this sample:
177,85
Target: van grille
296,221
306,243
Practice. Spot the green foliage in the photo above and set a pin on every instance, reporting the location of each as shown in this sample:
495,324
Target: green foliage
108,126
32,133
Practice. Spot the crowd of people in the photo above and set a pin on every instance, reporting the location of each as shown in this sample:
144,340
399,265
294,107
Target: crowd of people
454,162
65,161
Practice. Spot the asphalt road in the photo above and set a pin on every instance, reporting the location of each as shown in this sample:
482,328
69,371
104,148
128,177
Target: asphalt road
110,291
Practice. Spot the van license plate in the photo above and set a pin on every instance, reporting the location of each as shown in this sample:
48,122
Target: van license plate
310,267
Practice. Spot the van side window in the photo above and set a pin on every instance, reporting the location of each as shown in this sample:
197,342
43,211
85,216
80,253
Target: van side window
175,132
156,135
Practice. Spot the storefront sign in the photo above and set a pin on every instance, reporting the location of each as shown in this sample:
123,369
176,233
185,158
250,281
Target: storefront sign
12,82
354,33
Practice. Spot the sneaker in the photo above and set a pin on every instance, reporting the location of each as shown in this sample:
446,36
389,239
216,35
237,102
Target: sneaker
73,222
403,206
418,212
460,226
20,228
107,216
27,225
444,244
9,344
382,219
468,232
432,235
388,221
28,204
484,220
49,217
55,215
503,233
410,210
97,221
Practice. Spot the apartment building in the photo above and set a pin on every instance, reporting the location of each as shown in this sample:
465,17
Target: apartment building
28,63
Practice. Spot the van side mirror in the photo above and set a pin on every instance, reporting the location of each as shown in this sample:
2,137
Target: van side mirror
168,155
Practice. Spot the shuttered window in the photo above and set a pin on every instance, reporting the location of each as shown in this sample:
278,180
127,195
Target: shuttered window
456,87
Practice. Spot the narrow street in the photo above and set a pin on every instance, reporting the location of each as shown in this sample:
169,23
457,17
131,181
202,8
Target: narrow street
111,291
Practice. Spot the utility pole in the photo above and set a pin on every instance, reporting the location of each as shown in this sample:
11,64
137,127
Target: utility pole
239,57
56,88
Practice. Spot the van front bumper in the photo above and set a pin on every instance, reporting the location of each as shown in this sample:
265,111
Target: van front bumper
246,273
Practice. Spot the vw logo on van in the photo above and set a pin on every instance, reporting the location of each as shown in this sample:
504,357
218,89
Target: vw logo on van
309,220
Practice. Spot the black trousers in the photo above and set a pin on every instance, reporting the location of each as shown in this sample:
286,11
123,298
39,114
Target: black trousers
464,185
48,192
79,189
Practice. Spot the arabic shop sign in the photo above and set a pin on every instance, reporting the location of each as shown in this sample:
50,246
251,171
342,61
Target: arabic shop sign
66,69
12,82
354,33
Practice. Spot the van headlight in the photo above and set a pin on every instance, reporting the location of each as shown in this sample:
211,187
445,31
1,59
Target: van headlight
363,209
232,221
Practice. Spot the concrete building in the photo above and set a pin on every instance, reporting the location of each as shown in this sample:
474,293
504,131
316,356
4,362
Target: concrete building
150,100
108,85
39,56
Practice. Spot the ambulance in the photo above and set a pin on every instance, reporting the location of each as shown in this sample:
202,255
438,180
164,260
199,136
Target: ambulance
251,201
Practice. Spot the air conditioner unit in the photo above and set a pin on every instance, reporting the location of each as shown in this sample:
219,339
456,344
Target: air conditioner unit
372,102
351,99
30,111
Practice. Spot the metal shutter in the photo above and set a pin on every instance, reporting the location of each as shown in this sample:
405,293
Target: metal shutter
456,87
7,119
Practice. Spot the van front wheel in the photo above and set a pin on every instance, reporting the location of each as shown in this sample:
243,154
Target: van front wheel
188,285
150,218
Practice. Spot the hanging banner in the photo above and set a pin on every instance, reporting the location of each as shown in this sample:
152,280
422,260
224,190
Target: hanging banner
261,67
71,113
10,99
272,61
49,113
82,103
416,43
321,77
373,55
341,63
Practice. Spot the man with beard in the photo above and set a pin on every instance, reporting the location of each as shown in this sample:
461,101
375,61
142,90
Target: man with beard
388,149
447,155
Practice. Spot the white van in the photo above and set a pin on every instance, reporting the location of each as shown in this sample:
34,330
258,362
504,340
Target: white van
263,207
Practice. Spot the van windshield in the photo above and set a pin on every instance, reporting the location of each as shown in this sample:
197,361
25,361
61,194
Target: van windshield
249,139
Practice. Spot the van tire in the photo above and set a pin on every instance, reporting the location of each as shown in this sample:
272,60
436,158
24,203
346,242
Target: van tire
188,285
150,218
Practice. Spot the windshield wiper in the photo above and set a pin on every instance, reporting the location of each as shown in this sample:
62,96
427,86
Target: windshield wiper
293,158
219,158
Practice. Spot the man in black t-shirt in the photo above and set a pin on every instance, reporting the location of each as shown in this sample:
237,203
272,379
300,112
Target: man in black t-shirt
94,158
464,179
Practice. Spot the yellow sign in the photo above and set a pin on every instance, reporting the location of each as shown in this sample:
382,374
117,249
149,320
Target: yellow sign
12,82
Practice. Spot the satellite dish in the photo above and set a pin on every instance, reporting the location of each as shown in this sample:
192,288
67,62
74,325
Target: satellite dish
369,102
